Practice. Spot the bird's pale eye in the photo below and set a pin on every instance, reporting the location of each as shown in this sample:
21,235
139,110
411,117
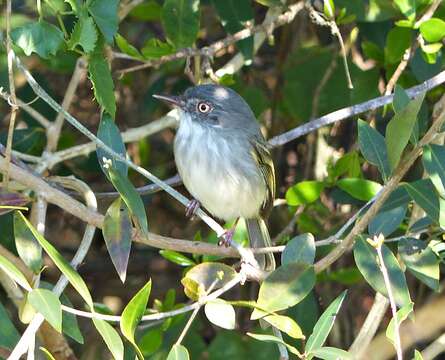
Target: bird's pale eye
203,107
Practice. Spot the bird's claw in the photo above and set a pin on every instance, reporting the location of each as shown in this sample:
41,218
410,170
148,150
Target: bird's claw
191,208
226,238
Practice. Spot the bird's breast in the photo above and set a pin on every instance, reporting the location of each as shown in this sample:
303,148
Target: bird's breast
219,171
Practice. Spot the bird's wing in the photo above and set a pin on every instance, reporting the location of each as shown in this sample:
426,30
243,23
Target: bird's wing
262,156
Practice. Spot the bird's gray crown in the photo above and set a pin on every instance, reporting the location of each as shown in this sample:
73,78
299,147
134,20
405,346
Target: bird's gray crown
227,108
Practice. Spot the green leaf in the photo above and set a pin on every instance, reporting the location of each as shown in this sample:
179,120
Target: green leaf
402,315
102,81
67,270
386,222
285,287
367,262
131,198
117,235
151,341
348,164
276,340
180,19
398,197
75,5
220,313
285,324
433,29
397,41
12,272
70,326
147,11
27,246
178,352
421,261
110,135
84,34
234,15
111,338
407,8
300,249
434,162
399,130
269,2
324,324
401,99
177,258
48,355
361,189
104,13
424,194
329,9
331,353
304,192
199,278
48,304
9,336
155,48
132,315
56,5
127,48
372,145
417,355
40,37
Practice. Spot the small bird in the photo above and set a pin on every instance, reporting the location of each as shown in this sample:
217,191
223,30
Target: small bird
224,162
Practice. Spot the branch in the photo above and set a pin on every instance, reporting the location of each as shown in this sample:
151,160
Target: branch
14,107
353,110
399,172
369,327
212,49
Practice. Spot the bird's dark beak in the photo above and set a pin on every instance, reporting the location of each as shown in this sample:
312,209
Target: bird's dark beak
170,99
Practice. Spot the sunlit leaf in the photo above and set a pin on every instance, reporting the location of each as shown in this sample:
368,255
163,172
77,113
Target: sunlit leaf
84,34
304,192
402,315
285,324
27,246
155,48
11,271
220,313
324,324
361,189
48,304
177,258
67,270
117,235
397,41
132,314
127,48
330,353
111,338
178,352
433,29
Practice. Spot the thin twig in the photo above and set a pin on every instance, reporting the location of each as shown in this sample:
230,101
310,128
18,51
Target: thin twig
377,243
23,344
214,48
13,98
239,278
434,349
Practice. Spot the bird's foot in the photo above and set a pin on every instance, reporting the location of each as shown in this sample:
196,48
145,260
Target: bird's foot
192,207
226,238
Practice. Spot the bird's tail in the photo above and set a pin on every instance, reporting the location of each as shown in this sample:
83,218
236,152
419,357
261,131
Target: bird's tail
259,237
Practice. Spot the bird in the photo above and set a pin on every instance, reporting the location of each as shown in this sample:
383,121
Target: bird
224,162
